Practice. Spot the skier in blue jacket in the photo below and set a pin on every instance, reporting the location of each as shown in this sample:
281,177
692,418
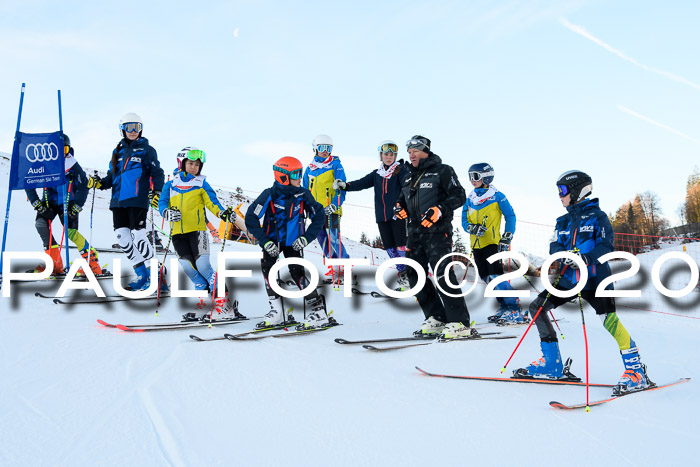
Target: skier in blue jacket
134,163
584,230
282,209
387,181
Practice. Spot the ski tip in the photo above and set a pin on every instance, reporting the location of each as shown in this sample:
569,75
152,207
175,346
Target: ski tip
422,371
104,323
559,405
370,347
57,301
229,336
340,340
195,338
121,327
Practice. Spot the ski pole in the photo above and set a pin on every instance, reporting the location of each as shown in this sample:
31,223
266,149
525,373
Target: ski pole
216,275
585,339
549,294
340,237
328,233
92,209
162,267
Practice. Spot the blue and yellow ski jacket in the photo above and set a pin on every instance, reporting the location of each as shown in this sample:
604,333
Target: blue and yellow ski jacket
318,180
191,195
493,207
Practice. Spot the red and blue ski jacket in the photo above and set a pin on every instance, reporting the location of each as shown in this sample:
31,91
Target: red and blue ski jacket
586,227
130,179
282,209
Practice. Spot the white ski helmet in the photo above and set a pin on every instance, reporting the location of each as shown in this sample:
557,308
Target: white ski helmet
183,153
387,145
322,139
129,118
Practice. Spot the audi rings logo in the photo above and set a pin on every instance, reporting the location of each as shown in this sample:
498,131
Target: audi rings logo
42,152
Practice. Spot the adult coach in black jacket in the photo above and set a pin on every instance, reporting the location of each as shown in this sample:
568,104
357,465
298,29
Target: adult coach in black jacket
429,195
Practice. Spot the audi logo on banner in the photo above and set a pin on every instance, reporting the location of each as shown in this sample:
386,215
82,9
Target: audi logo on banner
42,152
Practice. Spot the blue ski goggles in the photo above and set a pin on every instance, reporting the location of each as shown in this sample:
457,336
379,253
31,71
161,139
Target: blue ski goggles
293,175
563,190
131,127
324,148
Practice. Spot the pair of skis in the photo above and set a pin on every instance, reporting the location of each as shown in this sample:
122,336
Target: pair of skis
171,326
289,330
555,404
96,300
369,344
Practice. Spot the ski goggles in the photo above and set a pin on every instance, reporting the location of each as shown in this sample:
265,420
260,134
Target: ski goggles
563,190
389,148
324,148
197,155
417,144
66,149
477,176
293,175
131,127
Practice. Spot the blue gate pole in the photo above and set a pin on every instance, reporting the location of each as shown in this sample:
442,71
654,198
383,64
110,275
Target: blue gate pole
9,192
63,187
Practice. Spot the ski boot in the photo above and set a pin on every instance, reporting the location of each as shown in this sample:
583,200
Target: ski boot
431,327
512,317
457,330
91,257
192,316
53,252
635,376
143,279
317,317
494,318
227,310
548,367
276,317
402,282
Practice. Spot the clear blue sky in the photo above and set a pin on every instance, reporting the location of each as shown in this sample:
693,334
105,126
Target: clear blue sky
533,87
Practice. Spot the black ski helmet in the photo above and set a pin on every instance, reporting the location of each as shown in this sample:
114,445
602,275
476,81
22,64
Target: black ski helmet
66,144
576,183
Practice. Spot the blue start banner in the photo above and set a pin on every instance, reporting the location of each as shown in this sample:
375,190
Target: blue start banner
37,161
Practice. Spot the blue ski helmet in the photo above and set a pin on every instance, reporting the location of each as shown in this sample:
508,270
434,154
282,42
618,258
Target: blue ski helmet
481,171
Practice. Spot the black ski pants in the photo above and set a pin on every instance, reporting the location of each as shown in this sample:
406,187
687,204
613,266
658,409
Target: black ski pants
601,305
427,249
295,270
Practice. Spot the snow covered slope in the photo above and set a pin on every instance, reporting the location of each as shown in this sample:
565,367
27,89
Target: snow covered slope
75,393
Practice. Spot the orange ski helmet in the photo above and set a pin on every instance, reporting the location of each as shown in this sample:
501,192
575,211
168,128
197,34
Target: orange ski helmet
287,168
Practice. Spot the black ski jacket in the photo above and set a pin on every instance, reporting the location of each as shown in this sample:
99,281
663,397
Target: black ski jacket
430,184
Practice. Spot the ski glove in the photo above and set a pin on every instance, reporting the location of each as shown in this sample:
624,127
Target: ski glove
476,229
40,207
172,215
504,244
227,215
430,217
154,196
331,209
571,263
300,243
74,210
272,249
94,182
338,183
400,212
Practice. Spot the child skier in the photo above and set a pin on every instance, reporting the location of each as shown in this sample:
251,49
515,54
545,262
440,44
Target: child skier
584,230
183,203
318,179
387,181
134,162
282,208
51,205
486,202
